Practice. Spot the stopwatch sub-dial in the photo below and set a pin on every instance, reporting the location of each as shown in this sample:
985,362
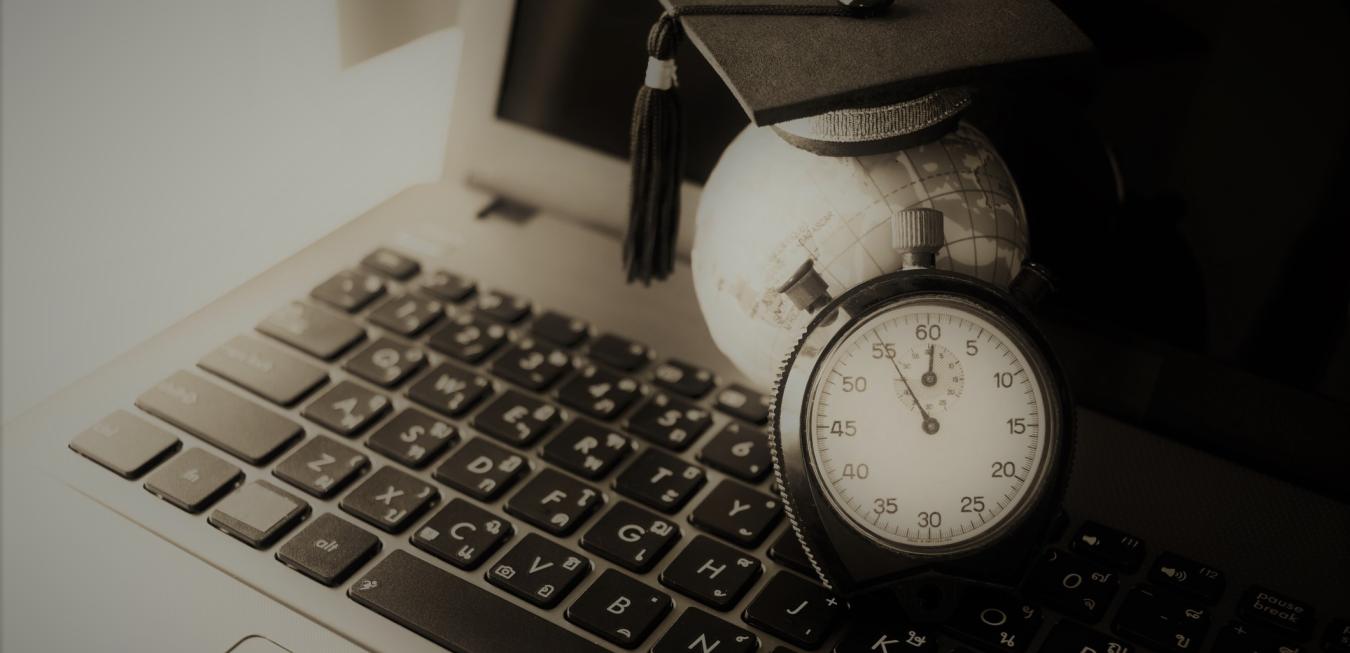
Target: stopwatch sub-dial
936,379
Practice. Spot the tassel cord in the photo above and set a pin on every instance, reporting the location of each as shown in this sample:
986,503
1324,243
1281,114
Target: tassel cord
657,146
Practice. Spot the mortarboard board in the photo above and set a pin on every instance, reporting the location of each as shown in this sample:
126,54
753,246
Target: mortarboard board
836,77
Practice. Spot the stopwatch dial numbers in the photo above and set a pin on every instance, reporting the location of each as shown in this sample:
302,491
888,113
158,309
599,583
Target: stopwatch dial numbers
927,424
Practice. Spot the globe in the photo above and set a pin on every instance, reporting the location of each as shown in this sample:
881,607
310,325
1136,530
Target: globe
768,207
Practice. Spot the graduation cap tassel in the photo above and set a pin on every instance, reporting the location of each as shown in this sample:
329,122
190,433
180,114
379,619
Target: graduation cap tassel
656,146
657,152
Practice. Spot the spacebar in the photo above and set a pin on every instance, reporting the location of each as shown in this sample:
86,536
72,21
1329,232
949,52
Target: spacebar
456,614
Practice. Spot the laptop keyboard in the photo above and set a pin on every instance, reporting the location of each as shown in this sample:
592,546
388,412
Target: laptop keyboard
520,446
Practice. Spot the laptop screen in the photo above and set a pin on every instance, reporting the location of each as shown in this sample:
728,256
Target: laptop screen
1172,261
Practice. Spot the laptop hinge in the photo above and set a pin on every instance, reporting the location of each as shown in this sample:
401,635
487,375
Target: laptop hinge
502,207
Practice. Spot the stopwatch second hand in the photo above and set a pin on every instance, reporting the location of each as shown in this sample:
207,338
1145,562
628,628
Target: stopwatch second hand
930,425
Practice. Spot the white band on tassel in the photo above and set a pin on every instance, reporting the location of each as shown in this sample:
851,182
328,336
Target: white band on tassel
660,73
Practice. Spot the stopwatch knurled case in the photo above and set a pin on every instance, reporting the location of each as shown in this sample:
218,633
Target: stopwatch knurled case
850,562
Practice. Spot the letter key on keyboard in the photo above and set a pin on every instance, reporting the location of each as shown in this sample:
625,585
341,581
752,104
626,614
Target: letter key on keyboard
390,499
321,466
619,609
539,571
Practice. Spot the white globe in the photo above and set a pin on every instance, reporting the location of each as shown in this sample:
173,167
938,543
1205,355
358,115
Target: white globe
769,206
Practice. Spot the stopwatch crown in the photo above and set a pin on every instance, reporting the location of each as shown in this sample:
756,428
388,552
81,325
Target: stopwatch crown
917,234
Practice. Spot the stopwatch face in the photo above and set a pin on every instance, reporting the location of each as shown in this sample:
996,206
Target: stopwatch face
928,423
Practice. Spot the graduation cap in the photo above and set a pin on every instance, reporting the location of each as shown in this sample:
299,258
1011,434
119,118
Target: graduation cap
835,77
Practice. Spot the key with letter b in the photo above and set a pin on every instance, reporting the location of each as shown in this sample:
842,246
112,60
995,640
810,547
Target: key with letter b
619,609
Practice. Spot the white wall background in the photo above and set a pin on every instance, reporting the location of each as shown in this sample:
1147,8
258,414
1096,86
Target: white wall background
158,153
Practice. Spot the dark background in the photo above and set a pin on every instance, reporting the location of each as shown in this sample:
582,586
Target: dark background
1227,235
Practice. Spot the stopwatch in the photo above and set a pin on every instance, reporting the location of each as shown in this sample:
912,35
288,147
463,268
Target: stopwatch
922,429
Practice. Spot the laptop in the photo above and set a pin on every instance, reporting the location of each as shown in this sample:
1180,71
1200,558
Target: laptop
442,427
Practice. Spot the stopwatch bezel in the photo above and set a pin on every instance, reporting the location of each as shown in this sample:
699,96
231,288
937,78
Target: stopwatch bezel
800,485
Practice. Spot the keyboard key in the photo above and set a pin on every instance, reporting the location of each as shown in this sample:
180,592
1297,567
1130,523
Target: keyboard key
743,403
683,379
450,390
1262,606
449,286
462,534
1109,546
236,425
503,307
532,365
1176,572
311,330
329,549
390,499
1238,637
660,480
456,614
737,513
413,438
587,449
885,633
559,329
619,609
1160,622
125,444
630,536
193,480
711,572
996,620
349,290
407,315
697,630
599,393
481,469
539,571
554,502
787,551
321,467
386,363
619,353
468,338
670,423
740,451
347,408
517,419
264,370
390,263
1069,637
799,611
1072,585
1338,636
258,514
